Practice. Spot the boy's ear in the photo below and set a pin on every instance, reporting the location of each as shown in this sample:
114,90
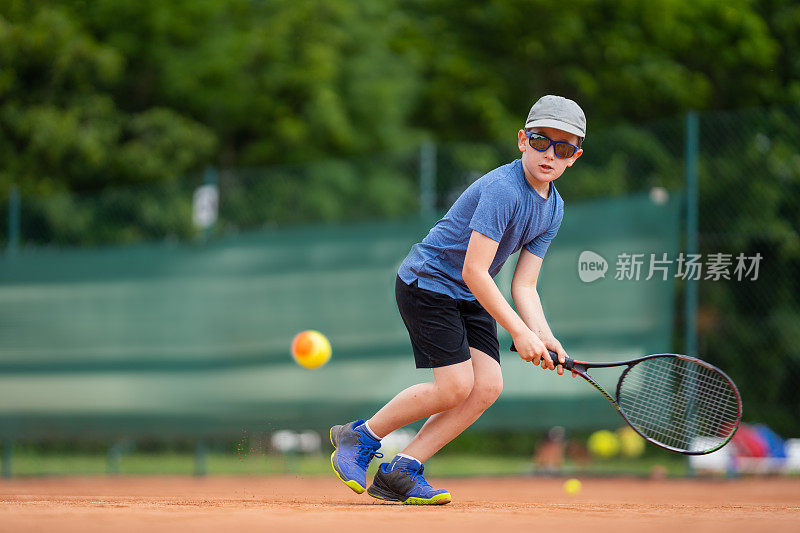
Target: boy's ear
522,140
575,157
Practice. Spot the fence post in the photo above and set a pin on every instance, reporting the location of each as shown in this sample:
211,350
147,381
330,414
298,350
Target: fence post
211,178
114,457
13,220
427,179
692,149
200,458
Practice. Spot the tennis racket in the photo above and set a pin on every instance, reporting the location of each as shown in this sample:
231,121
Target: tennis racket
675,401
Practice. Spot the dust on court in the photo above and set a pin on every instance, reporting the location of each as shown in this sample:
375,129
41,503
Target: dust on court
177,504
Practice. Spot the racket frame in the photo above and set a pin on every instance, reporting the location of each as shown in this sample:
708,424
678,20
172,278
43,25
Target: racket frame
582,369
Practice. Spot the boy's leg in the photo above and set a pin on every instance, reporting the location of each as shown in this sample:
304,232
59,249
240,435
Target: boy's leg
440,338
452,385
443,427
354,447
402,479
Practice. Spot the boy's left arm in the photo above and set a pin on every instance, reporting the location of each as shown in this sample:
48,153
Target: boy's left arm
529,306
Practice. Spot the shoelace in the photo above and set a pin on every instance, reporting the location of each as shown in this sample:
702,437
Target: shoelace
365,454
416,475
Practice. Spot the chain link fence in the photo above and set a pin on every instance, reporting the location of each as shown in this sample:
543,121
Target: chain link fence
748,192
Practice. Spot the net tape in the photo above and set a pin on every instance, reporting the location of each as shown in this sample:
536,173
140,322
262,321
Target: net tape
679,403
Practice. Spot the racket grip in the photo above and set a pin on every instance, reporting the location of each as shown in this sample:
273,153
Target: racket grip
568,363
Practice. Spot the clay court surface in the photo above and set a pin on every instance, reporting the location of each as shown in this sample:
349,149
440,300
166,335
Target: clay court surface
177,504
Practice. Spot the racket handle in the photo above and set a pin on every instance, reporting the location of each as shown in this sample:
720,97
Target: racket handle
568,363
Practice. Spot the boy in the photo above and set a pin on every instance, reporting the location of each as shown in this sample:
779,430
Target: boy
451,305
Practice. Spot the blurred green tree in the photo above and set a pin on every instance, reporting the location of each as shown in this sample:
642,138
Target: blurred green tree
278,81
634,60
60,125
242,83
109,93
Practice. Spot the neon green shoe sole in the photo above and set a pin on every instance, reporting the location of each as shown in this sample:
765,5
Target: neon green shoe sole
438,499
354,485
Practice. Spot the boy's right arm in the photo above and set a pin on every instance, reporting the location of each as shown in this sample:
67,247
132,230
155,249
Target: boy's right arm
480,253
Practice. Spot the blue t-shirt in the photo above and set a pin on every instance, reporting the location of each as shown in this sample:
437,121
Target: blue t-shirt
501,205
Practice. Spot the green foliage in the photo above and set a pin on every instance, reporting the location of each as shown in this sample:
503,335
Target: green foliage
277,81
326,190
783,19
120,216
635,60
61,126
100,93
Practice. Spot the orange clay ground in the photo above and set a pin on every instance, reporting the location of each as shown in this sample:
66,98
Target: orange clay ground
494,505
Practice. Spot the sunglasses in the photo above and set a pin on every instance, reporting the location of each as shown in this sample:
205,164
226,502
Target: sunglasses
540,143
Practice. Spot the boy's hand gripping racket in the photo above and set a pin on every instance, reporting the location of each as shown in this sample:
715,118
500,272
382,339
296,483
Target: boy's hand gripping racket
675,401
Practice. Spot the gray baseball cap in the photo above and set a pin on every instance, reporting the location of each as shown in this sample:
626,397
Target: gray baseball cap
557,112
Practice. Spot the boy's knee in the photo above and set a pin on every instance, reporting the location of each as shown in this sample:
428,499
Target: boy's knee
462,390
486,392
456,390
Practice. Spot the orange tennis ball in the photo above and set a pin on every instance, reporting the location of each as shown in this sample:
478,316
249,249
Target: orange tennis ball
311,349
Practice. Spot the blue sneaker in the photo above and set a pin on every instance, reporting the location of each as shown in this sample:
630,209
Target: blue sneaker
353,450
402,481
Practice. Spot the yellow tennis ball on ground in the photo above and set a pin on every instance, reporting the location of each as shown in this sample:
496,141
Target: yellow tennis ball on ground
572,486
311,349
631,444
603,444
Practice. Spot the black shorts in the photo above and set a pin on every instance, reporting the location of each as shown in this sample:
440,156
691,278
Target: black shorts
442,329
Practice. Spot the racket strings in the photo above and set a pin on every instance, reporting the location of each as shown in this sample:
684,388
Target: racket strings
713,392
679,425
679,403
673,426
651,417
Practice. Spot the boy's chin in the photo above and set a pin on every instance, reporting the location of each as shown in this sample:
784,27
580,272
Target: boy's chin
545,178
